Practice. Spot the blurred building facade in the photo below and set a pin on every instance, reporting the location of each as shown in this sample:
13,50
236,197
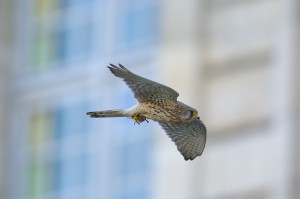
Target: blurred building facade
235,61
240,60
56,73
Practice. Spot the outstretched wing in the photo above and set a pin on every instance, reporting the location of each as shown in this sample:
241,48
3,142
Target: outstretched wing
189,137
144,89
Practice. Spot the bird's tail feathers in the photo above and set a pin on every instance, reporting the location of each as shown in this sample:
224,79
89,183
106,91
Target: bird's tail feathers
107,113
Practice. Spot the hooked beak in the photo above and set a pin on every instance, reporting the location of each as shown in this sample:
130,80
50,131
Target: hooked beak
195,115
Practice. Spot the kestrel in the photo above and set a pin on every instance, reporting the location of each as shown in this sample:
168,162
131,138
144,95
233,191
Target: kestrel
159,103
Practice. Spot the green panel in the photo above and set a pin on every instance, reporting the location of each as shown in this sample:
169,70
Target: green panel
44,51
43,7
38,181
40,128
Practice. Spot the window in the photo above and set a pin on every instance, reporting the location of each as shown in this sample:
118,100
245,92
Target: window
44,7
56,150
45,45
61,33
68,173
74,43
70,131
39,167
133,155
139,23
70,3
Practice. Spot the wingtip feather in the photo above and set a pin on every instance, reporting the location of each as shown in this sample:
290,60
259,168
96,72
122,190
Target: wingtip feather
118,70
123,67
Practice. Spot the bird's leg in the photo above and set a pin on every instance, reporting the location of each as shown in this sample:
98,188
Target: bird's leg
138,118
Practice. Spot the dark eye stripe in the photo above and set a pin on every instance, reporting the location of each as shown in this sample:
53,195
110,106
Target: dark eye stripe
192,114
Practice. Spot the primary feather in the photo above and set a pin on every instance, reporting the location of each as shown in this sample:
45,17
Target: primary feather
159,103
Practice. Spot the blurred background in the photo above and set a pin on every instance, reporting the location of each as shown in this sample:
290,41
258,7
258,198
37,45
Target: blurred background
235,61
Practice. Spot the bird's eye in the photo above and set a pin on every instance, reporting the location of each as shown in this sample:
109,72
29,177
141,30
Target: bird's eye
187,114
191,114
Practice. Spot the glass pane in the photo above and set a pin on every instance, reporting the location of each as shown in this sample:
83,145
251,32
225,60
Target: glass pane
70,120
43,7
70,159
38,182
40,127
140,25
69,3
74,42
44,51
38,168
135,157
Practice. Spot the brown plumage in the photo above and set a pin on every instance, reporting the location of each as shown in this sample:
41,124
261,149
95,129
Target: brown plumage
159,103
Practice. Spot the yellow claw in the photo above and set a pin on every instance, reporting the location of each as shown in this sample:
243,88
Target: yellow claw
135,118
138,118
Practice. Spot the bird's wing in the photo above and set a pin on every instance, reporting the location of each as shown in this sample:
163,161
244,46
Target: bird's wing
144,89
189,137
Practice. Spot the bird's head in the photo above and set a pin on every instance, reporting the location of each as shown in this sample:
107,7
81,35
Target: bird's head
187,112
190,114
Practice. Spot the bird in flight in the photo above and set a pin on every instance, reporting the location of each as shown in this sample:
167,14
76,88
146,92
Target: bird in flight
159,103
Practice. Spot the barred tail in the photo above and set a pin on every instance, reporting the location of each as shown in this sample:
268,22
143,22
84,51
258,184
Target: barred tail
107,113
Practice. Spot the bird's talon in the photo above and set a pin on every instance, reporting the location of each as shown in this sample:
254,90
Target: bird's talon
135,118
136,122
138,118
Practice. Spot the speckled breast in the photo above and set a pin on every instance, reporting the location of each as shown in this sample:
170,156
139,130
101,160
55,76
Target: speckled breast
164,112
